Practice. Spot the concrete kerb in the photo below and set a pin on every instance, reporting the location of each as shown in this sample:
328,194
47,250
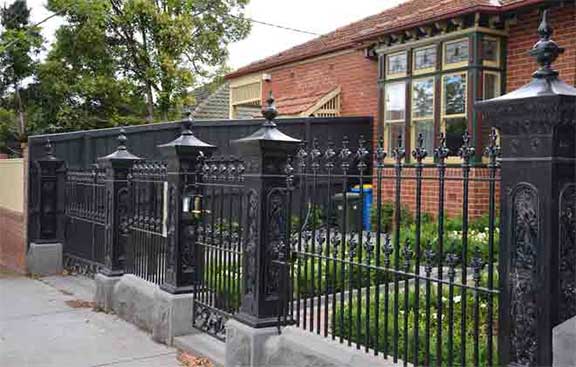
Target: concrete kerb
250,347
44,259
564,340
104,292
145,305
173,316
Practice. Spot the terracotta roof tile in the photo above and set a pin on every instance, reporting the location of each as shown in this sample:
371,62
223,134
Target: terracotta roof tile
410,13
293,105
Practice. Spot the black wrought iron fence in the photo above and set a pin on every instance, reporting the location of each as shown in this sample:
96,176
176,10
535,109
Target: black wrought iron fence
86,211
220,211
403,283
144,229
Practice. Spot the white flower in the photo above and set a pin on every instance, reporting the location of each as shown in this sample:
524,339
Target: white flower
457,299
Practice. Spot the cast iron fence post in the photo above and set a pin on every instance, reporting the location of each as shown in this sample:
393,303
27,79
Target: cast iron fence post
50,204
183,157
537,250
117,166
266,154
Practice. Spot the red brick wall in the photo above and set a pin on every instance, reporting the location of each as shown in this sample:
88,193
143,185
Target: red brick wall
355,74
12,240
523,37
478,191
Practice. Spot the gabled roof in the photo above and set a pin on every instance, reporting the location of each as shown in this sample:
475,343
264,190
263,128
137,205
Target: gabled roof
409,14
216,106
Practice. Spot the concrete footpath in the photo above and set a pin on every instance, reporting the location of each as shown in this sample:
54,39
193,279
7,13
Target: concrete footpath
50,322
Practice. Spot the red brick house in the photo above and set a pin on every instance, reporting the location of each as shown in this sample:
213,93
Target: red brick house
416,68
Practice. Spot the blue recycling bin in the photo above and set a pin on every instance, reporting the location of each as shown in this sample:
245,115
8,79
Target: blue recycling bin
366,205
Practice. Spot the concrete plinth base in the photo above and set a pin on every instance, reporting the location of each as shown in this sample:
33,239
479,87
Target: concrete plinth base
564,342
145,305
44,259
173,316
246,346
104,292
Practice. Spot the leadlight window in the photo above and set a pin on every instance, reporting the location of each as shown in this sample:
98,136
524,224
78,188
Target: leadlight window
397,64
491,51
423,112
395,112
425,59
456,53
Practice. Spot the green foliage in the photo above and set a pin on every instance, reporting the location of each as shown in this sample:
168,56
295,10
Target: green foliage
356,314
314,217
19,43
387,216
163,46
114,62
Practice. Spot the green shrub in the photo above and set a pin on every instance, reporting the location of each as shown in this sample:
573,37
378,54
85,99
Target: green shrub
355,314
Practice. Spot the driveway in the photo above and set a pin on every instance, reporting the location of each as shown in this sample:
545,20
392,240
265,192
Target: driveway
49,322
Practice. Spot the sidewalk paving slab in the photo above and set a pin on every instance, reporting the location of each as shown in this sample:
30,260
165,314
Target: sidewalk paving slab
39,329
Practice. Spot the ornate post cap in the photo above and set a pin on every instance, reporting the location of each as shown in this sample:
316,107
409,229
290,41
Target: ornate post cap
121,153
186,143
545,81
268,131
546,51
49,159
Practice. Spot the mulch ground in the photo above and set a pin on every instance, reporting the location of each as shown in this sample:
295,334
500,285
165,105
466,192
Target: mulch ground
188,360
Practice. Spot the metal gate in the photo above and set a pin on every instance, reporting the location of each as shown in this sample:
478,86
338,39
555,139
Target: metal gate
85,220
220,209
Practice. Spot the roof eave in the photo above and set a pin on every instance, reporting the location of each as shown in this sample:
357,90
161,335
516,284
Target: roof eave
370,36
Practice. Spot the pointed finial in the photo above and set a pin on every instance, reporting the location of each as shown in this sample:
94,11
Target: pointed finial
48,149
546,51
187,121
122,139
270,112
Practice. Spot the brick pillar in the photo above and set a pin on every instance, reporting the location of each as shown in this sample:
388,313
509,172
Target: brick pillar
537,125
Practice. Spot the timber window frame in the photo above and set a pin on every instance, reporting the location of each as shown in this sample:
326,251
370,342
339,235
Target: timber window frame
474,83
450,119
415,57
394,74
446,63
394,123
423,118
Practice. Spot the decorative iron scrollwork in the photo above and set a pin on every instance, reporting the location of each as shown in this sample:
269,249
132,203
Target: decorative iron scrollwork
210,321
250,252
568,253
524,276
276,233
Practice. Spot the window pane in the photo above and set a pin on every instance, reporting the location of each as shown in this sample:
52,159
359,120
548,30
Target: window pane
423,98
426,128
397,64
490,49
455,128
394,131
454,94
491,86
425,58
456,52
395,101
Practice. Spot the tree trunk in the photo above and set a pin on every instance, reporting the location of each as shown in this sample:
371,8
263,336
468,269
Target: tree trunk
149,102
20,113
